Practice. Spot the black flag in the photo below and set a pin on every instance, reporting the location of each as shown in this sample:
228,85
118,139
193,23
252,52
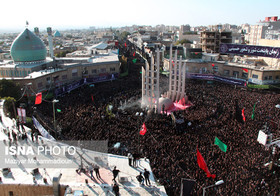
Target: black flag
186,186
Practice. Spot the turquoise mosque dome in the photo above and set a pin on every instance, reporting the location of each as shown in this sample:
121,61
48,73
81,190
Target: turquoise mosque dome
28,47
57,34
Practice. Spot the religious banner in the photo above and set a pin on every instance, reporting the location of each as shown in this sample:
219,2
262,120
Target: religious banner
42,130
252,50
216,78
72,86
21,115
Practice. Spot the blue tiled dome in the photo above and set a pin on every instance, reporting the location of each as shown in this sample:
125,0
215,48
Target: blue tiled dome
27,47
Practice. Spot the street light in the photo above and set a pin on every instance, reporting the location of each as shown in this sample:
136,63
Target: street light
54,121
216,184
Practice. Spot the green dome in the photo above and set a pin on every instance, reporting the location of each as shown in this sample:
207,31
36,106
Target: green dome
27,47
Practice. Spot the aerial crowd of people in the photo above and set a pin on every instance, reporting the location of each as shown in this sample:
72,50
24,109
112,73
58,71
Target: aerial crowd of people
172,151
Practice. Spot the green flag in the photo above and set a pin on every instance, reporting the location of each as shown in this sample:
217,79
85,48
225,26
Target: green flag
134,60
253,115
58,110
221,145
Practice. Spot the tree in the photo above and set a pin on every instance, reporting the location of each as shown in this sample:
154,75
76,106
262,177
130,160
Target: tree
9,89
124,35
183,41
9,106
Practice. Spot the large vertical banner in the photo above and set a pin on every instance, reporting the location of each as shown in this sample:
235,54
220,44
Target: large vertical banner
22,115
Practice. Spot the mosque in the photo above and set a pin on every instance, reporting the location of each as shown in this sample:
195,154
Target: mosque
36,66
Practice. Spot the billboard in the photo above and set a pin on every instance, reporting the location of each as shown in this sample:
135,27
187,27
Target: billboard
264,51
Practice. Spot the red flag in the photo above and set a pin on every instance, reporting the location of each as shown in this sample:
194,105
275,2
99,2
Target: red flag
246,70
134,54
243,115
201,163
173,63
213,65
92,98
143,130
125,45
38,98
180,102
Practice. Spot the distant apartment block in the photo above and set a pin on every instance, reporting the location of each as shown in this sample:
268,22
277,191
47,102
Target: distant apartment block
210,40
267,29
185,28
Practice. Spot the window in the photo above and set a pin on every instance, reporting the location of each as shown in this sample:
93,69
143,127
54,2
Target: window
64,77
40,84
203,70
244,75
215,68
226,72
235,74
255,76
112,69
94,71
270,77
74,73
277,77
85,72
48,79
265,78
103,70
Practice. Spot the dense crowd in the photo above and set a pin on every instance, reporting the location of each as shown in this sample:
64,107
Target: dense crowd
172,153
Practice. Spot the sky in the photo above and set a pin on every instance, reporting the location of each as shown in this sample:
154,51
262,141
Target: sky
68,14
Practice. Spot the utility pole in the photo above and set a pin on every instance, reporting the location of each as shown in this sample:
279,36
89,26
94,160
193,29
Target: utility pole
54,120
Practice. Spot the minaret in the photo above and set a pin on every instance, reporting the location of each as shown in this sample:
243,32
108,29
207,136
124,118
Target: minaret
49,30
36,31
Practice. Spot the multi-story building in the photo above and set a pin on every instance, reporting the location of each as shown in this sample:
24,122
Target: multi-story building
185,28
257,72
210,40
263,29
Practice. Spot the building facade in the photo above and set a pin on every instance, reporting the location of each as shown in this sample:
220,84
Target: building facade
210,40
31,65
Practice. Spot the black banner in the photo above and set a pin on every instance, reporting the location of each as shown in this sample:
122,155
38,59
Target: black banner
186,186
265,51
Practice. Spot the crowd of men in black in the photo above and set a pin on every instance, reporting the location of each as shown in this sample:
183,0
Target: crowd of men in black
172,153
